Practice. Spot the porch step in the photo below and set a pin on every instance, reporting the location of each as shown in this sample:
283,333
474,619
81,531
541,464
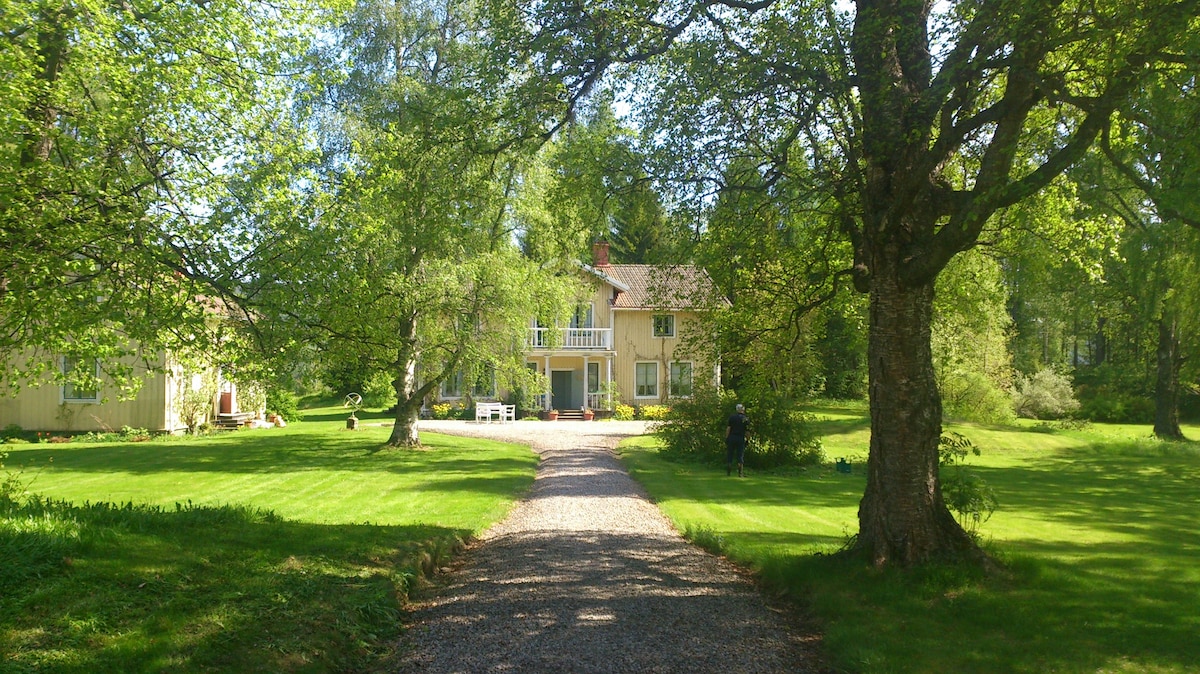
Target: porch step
570,415
231,422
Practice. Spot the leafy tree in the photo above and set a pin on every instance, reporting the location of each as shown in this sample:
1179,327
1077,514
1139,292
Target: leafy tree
761,258
394,253
970,340
911,123
596,179
1153,148
117,117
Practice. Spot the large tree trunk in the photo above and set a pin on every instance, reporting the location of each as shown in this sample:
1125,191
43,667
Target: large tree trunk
902,517
408,394
1166,386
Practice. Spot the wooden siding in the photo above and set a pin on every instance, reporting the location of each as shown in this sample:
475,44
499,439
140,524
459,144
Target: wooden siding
41,408
634,342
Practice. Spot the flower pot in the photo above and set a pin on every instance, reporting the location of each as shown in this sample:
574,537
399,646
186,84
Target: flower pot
588,415
550,415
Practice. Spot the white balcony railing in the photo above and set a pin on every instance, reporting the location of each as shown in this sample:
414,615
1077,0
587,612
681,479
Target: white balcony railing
570,338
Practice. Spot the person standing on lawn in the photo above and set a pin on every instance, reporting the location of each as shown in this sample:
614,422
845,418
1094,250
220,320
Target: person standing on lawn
735,439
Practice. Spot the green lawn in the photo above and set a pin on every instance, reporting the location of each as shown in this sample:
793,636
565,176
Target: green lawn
260,550
1098,530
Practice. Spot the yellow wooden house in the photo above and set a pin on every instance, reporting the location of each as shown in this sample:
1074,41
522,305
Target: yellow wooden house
629,337
47,405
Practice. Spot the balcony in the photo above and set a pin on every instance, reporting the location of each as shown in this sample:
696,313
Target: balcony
579,339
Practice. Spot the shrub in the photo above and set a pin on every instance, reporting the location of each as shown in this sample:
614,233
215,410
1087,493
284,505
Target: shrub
623,412
654,412
284,403
1115,407
972,396
11,487
451,411
779,434
378,391
1111,394
1045,395
194,406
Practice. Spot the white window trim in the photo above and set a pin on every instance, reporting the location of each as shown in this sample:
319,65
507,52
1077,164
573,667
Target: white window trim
599,380
691,364
462,382
653,331
589,316
657,381
463,391
62,390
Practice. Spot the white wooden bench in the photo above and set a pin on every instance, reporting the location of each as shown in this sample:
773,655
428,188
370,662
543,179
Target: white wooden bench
499,411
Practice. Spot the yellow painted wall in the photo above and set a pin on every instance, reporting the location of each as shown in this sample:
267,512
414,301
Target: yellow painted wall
634,341
41,408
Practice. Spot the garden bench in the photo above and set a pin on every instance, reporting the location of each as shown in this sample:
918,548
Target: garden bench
501,412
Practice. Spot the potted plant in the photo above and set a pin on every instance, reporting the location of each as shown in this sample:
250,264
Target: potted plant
588,414
550,415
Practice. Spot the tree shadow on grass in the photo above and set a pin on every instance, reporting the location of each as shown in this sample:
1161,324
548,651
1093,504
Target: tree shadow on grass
133,588
1104,580
1063,608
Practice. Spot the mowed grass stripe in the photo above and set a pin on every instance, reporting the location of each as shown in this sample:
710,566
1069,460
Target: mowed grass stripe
284,576
1097,531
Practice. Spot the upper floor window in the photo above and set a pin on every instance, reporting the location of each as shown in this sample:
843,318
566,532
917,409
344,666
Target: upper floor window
664,325
75,369
582,318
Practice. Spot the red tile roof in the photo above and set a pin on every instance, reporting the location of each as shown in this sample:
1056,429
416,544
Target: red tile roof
681,286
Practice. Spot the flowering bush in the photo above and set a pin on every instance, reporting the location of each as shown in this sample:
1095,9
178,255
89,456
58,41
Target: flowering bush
654,412
623,412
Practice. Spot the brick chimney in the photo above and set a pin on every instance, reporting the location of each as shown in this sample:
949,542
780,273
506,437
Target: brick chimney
600,253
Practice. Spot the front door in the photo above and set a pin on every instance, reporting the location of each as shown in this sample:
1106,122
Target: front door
560,390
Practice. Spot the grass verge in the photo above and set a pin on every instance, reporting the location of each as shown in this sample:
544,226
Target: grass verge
1095,528
280,550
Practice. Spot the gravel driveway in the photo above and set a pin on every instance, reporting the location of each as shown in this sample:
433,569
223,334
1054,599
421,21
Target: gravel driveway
586,575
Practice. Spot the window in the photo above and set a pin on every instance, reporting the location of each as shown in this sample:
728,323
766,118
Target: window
681,379
593,377
645,380
485,385
664,325
541,336
79,368
582,318
452,387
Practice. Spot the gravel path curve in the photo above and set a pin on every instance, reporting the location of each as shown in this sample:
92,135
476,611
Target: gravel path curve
586,575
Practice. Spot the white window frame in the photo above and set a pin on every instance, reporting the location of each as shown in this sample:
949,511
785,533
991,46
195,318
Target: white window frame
657,382
458,379
588,311
671,378
588,377
654,325
77,399
478,393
